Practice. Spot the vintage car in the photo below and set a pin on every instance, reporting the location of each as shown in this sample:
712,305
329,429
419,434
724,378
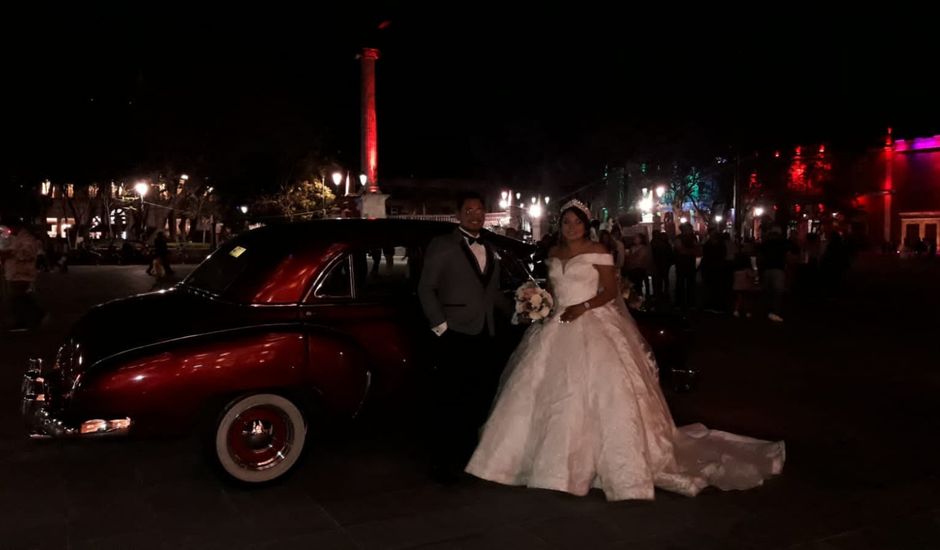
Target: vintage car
279,330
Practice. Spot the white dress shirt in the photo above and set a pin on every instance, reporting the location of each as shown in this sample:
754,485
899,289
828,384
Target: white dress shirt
479,251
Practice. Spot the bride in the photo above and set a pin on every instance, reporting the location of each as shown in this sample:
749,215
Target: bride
580,405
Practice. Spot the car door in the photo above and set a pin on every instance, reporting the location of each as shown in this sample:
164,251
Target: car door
367,299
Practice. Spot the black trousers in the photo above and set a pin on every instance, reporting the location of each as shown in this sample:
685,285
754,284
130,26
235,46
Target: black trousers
685,288
463,388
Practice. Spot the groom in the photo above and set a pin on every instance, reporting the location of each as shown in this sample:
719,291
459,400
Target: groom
459,290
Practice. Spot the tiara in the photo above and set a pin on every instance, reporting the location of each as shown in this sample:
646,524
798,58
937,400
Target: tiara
575,203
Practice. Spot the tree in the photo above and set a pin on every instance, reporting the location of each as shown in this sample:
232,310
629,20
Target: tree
309,198
81,212
694,189
201,207
109,195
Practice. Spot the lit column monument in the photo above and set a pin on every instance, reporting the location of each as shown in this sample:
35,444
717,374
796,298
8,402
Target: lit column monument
888,186
372,200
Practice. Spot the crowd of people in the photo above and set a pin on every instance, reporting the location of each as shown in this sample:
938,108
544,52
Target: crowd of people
26,253
718,273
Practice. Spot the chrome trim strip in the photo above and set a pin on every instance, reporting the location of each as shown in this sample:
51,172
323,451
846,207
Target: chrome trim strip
314,291
365,394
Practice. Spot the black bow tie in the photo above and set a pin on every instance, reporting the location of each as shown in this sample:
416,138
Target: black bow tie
472,240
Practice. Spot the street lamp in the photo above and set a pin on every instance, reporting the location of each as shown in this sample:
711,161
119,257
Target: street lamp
184,177
363,179
337,178
244,209
718,218
504,199
758,211
546,201
142,187
660,191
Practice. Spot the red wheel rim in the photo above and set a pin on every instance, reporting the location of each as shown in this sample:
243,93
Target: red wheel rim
260,437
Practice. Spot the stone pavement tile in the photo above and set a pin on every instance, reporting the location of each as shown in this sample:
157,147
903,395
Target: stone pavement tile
808,513
21,470
576,532
672,543
432,497
220,538
281,509
321,540
501,538
189,510
137,540
504,505
94,469
31,509
17,535
93,515
400,532
215,535
353,475
917,532
414,530
421,498
364,509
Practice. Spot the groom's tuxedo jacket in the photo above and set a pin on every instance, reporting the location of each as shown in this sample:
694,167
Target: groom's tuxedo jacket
453,289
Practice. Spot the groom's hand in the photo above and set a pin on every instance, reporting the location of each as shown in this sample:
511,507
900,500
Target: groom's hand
572,312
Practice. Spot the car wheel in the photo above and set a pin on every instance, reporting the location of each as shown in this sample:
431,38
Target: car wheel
259,438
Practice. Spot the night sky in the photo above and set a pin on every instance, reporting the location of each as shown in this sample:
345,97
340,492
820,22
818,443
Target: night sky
478,92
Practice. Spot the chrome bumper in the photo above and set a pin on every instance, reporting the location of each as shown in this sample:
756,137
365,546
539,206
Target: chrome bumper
40,423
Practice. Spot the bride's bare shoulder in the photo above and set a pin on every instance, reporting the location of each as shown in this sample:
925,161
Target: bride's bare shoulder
554,252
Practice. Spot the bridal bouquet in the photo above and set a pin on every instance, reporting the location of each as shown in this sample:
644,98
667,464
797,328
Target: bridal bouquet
532,303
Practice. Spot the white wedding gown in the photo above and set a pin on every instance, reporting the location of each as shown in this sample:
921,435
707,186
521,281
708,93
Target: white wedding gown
580,406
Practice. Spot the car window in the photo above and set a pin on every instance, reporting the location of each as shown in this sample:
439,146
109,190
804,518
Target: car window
238,264
513,269
391,270
337,282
